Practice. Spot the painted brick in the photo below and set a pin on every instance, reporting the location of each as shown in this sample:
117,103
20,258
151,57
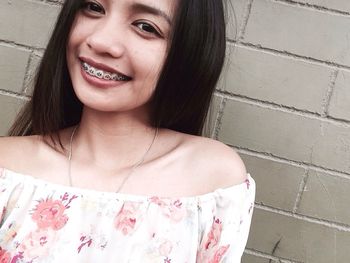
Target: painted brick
254,259
34,63
268,130
326,197
277,79
27,22
277,183
212,116
342,238
286,135
299,30
341,5
13,65
9,107
236,11
339,105
332,147
300,240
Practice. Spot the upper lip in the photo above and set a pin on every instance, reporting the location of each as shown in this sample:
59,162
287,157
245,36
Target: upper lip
100,66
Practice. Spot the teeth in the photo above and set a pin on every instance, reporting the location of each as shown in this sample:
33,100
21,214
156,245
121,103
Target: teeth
85,67
114,77
107,76
101,74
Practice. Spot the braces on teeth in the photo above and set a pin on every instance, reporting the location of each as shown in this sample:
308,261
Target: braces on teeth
102,74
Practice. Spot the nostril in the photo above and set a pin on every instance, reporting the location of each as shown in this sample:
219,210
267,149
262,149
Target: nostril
106,45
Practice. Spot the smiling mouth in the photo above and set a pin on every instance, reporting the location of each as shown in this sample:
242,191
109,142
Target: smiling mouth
102,74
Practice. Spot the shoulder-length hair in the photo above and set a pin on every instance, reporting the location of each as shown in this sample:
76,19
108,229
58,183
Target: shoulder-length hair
184,90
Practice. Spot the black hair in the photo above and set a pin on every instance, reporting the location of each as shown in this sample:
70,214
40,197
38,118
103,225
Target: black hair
183,92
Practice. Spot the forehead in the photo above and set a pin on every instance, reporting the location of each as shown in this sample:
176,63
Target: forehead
167,6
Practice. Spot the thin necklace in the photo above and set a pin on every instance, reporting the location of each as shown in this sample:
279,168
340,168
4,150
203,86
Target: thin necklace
133,168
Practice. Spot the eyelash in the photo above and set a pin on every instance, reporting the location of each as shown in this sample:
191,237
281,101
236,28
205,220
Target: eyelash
89,6
153,30
86,6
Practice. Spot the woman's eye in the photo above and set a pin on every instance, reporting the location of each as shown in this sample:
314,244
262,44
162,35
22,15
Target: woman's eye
93,7
147,28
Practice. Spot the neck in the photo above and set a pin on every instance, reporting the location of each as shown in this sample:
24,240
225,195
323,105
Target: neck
112,140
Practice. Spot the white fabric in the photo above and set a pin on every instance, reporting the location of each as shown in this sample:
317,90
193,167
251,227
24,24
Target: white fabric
46,222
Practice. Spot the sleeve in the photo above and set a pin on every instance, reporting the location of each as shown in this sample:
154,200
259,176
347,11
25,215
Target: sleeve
225,234
12,196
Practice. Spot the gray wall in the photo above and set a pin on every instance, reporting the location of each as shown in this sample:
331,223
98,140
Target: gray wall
283,103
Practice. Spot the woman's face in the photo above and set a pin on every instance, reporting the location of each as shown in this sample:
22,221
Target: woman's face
116,50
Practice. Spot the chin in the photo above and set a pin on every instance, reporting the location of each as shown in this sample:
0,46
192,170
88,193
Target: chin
115,106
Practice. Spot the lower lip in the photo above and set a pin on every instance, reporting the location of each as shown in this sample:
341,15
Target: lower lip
100,83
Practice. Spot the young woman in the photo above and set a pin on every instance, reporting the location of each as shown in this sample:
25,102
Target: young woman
105,163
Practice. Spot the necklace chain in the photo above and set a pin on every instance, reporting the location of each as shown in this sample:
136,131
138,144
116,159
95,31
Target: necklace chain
133,168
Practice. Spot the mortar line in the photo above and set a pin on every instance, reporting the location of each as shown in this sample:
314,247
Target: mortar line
287,54
285,109
212,135
330,91
39,53
276,106
246,15
47,2
26,74
13,44
339,120
338,226
314,7
303,165
14,95
260,254
218,121
301,191
59,2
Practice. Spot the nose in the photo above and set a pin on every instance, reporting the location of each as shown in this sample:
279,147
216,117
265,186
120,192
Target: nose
105,39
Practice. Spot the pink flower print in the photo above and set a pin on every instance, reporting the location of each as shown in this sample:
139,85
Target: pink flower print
210,252
126,219
2,214
247,182
85,240
37,243
165,248
214,234
219,253
5,256
250,208
10,233
174,210
65,199
50,213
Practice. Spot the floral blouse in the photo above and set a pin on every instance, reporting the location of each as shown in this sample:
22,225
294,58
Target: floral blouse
50,223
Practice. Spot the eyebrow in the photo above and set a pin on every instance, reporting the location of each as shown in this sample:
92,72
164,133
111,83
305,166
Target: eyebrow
138,7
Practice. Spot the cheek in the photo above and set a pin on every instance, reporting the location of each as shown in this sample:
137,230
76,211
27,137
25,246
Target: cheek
149,65
151,61
71,46
79,31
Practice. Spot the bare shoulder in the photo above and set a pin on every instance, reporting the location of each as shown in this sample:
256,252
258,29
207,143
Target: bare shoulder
214,162
14,150
32,155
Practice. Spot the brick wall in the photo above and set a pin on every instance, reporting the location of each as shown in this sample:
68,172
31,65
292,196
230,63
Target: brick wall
283,104
24,30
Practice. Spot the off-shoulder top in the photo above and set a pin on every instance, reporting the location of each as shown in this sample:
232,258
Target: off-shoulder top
46,222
